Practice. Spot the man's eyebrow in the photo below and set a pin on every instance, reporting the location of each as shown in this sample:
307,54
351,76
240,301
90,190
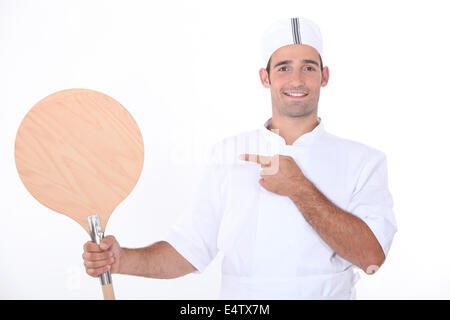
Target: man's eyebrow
282,62
290,62
311,62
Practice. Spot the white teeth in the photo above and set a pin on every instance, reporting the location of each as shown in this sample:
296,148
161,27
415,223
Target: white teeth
295,94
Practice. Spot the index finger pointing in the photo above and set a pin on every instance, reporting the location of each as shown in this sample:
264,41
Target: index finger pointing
256,158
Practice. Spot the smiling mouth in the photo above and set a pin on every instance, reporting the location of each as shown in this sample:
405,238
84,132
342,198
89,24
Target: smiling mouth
295,94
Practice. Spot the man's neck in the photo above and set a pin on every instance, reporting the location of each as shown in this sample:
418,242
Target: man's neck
290,129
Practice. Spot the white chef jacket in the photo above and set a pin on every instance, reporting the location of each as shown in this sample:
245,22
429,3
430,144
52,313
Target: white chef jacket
269,250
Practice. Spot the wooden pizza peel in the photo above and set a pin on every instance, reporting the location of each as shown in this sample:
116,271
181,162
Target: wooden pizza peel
79,152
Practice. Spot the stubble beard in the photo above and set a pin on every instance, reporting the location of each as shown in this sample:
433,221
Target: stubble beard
295,109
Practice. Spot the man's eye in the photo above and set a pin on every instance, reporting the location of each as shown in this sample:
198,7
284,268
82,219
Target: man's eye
309,68
283,69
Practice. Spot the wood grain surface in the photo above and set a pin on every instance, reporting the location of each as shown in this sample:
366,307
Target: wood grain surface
79,152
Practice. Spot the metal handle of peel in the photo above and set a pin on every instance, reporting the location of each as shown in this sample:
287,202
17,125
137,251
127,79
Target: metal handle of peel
95,228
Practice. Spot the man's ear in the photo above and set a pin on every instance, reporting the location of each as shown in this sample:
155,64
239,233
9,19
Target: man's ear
325,76
264,77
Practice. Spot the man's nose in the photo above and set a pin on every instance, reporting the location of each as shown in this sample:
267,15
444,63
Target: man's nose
297,77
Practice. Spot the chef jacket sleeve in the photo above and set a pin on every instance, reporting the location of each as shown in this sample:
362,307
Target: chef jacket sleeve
194,235
372,202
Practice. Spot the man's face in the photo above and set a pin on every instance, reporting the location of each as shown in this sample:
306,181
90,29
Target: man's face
295,80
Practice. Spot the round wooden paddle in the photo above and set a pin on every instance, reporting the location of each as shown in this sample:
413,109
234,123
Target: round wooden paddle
80,153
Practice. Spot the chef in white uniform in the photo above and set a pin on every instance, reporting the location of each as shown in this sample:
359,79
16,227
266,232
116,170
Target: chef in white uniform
294,209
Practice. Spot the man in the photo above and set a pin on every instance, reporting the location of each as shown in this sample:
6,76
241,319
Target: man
293,208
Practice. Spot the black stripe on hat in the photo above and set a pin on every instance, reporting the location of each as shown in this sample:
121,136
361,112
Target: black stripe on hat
298,30
295,31
294,35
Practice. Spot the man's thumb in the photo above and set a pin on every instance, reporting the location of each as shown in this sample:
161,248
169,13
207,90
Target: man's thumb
106,242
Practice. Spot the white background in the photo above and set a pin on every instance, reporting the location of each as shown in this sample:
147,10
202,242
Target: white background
188,73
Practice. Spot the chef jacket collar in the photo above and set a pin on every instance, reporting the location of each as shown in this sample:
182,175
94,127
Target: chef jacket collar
304,140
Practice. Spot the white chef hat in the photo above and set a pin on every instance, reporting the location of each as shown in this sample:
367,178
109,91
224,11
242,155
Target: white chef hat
288,31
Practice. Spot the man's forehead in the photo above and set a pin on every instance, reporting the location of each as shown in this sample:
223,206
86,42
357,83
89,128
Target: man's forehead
295,52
